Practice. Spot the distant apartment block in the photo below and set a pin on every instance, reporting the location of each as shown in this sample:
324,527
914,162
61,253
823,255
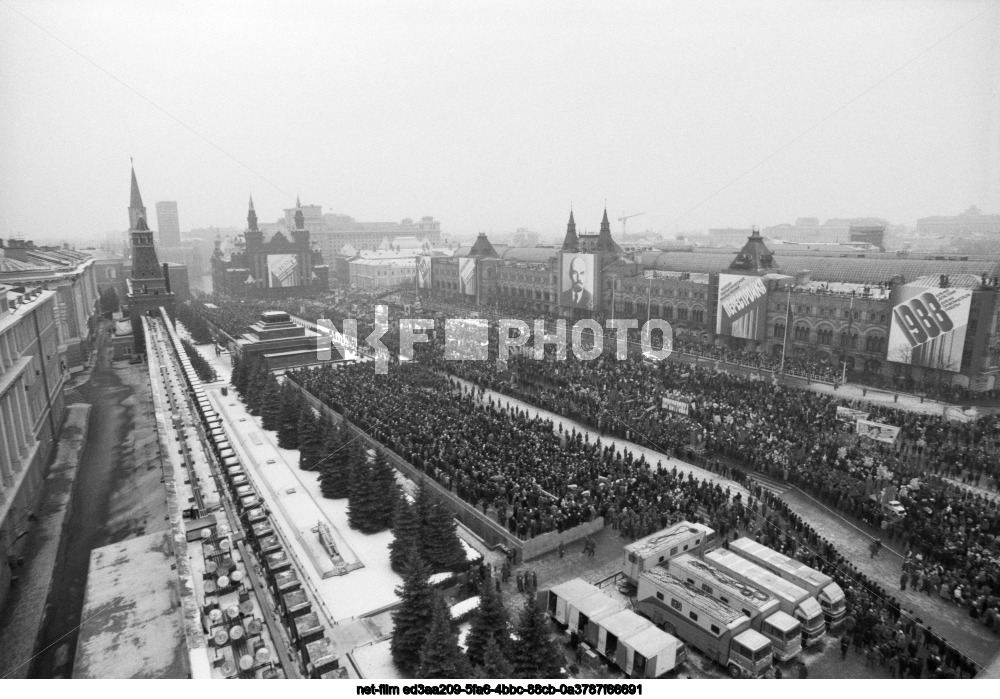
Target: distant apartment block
167,223
970,222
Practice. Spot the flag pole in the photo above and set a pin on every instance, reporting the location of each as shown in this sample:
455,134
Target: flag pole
649,291
850,323
613,285
788,327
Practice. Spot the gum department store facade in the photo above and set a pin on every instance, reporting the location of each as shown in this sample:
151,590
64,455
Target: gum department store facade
841,305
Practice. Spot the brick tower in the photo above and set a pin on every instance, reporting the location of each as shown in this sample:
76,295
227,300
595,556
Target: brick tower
148,285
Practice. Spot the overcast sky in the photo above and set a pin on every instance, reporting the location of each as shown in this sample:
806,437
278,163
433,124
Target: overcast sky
495,116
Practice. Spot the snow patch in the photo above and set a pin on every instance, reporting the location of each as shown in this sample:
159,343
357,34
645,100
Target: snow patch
470,553
464,607
463,633
375,661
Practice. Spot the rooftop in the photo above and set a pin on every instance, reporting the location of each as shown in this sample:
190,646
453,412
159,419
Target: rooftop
871,268
665,538
9,264
22,302
740,591
877,293
133,625
386,261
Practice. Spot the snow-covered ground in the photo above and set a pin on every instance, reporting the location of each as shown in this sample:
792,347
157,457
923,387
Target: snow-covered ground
360,591
375,662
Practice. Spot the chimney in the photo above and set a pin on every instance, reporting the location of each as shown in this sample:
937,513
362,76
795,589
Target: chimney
166,276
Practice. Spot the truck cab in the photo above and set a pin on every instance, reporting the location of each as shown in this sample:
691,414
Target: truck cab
785,633
751,651
834,604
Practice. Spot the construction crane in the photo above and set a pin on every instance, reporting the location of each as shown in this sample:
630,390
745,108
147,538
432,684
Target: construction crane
624,219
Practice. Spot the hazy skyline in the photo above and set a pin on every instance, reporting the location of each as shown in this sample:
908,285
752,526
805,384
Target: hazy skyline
496,116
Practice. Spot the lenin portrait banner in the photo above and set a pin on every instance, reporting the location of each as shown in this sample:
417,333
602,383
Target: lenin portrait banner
577,281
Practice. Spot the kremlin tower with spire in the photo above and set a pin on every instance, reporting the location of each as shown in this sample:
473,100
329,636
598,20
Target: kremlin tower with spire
148,283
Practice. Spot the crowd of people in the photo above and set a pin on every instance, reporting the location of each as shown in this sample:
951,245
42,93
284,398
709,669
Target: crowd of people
794,435
793,363
876,624
534,478
522,471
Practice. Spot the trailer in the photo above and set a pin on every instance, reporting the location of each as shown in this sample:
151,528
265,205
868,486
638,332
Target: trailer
722,633
619,635
593,606
766,617
658,547
792,599
558,598
820,585
651,653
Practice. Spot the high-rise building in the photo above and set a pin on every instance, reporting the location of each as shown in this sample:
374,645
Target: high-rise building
167,223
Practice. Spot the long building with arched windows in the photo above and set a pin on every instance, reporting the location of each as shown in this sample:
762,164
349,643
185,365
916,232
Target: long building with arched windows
927,318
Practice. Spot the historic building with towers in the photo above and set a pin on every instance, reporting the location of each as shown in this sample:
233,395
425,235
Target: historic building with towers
573,281
861,312
277,266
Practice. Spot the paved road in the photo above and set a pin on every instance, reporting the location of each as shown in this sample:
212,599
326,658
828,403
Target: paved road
851,537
